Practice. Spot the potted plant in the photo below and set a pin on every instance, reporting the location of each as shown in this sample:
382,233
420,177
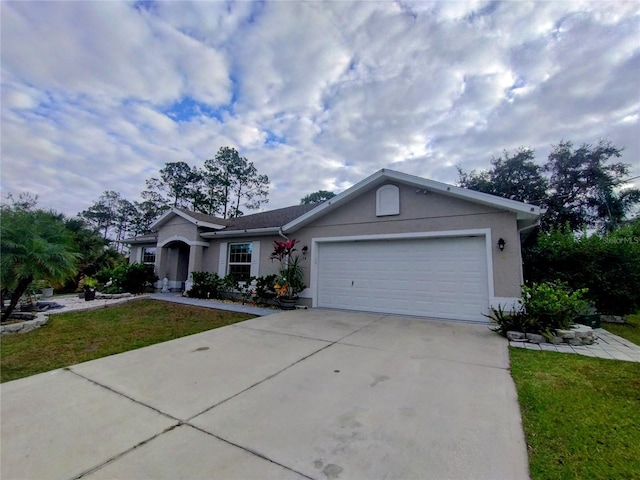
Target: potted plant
90,285
289,281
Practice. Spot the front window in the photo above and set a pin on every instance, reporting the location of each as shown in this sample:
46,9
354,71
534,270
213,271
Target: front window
149,255
240,261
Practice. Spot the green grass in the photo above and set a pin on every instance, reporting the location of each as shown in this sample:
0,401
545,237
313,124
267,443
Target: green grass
581,415
630,330
76,337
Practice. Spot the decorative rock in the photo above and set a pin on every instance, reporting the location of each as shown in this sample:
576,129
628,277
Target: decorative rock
535,338
23,327
566,334
575,341
515,336
556,340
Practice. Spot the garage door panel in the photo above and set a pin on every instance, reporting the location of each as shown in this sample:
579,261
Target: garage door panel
445,277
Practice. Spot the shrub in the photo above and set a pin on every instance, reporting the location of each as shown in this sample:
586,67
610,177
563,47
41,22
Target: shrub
552,305
205,285
133,277
543,308
608,265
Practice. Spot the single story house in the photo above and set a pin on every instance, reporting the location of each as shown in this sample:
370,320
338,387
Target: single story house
393,243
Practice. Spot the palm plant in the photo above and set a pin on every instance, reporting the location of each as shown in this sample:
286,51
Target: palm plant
34,245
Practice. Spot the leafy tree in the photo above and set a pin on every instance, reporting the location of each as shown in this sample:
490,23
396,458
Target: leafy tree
583,188
34,245
576,186
317,197
516,177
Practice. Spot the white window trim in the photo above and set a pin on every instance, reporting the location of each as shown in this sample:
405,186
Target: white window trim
223,259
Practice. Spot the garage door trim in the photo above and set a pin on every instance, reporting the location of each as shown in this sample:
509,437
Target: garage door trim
481,232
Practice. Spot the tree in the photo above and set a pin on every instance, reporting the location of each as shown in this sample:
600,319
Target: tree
574,185
231,181
317,197
516,177
94,252
583,189
103,213
178,181
34,245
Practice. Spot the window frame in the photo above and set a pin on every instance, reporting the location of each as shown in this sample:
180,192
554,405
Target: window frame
145,254
247,262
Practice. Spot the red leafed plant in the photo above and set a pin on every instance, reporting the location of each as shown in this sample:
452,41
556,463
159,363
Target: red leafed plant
290,279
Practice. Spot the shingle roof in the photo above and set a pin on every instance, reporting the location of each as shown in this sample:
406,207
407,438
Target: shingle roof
272,218
203,217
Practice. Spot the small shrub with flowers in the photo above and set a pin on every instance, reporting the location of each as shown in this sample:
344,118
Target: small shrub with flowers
289,281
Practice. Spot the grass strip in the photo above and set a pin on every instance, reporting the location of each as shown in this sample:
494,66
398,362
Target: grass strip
581,415
80,336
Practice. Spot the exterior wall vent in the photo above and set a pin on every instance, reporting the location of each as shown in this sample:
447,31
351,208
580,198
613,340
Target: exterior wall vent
387,200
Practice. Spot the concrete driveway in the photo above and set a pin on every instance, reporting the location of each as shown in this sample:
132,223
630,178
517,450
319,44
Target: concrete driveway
305,394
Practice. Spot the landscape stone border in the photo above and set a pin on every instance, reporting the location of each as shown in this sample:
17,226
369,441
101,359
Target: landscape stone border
577,335
24,327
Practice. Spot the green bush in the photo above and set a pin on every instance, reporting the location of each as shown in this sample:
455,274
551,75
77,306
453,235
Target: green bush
205,285
134,277
543,308
608,265
552,305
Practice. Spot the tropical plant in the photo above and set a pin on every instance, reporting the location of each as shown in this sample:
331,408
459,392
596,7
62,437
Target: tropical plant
290,279
34,245
512,320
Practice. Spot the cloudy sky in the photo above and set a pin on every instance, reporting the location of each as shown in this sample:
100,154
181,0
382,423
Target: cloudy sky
100,95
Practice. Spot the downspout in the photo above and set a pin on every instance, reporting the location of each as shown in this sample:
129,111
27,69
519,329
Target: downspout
281,233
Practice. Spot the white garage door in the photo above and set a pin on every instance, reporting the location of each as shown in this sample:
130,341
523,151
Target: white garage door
440,277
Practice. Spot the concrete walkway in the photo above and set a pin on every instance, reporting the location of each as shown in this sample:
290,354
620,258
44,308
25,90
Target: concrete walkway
607,345
302,394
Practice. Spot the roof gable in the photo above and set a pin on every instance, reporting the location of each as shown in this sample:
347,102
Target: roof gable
198,219
526,214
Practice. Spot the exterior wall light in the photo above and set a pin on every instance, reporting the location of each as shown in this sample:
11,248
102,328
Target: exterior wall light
501,244
305,249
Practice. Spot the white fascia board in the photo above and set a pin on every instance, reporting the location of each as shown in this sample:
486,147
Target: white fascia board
242,233
163,219
522,210
332,203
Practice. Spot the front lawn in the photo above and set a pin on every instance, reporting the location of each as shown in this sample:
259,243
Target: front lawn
76,337
629,330
581,415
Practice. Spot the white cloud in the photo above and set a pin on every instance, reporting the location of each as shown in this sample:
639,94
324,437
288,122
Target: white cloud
316,94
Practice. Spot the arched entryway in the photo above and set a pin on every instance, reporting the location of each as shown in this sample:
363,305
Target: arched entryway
174,264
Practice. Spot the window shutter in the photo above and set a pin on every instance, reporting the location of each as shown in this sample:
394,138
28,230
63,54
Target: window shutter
222,262
255,259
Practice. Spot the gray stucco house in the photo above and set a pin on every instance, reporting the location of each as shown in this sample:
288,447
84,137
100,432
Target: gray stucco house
393,243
